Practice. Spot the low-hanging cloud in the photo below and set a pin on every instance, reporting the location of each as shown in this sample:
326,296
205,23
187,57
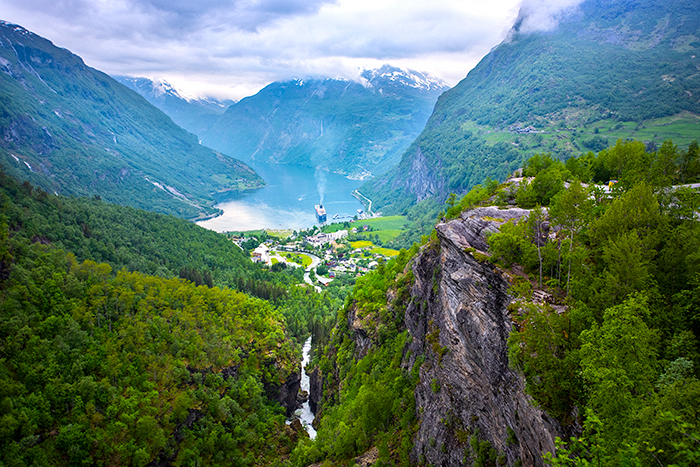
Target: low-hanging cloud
543,15
232,48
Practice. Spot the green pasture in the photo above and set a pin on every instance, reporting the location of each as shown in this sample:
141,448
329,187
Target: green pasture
374,248
298,258
361,244
385,251
384,223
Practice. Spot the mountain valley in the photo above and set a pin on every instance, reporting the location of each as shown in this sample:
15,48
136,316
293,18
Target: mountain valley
536,302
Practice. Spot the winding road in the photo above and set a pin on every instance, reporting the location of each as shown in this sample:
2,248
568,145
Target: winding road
315,261
369,208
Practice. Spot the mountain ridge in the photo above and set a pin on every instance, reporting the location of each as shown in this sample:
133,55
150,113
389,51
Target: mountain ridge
71,129
353,127
194,114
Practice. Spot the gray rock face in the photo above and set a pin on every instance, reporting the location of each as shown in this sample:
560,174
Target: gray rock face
287,392
478,223
421,181
458,321
315,389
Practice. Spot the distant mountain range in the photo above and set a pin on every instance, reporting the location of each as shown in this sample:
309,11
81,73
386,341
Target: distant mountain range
611,69
195,115
73,130
357,128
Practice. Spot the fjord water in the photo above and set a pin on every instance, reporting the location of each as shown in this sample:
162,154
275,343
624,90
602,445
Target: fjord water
287,201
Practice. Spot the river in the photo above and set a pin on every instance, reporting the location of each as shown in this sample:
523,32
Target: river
306,416
287,201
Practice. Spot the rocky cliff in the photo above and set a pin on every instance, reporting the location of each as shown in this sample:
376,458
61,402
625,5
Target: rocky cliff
470,403
471,407
315,389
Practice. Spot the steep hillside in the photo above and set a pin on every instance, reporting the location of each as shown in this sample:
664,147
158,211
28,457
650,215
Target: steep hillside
571,315
611,69
353,128
73,130
128,239
194,115
121,236
104,364
107,357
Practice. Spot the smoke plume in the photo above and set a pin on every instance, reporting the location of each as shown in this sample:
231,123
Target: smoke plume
320,177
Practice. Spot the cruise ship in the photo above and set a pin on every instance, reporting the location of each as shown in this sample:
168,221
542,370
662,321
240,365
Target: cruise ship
320,213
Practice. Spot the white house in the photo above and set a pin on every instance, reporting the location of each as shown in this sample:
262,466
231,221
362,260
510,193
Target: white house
323,238
337,235
261,254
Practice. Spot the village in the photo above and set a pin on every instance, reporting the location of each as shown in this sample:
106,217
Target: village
328,253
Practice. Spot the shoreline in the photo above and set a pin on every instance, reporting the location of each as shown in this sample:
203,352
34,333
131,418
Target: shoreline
207,217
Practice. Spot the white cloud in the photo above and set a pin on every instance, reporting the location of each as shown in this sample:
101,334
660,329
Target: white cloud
544,15
232,48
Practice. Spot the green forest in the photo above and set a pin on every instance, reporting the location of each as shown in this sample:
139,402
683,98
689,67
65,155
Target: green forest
126,369
125,340
132,338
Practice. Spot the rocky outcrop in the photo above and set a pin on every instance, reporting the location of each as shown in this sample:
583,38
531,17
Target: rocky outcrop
287,392
315,389
477,223
296,430
459,324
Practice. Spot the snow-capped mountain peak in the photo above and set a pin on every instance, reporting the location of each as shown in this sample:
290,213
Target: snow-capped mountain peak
389,75
157,89
162,87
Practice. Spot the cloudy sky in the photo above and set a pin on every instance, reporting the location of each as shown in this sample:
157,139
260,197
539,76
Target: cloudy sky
232,48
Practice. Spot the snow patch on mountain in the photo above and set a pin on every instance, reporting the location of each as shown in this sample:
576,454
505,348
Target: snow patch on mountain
17,28
154,88
161,89
386,78
390,75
